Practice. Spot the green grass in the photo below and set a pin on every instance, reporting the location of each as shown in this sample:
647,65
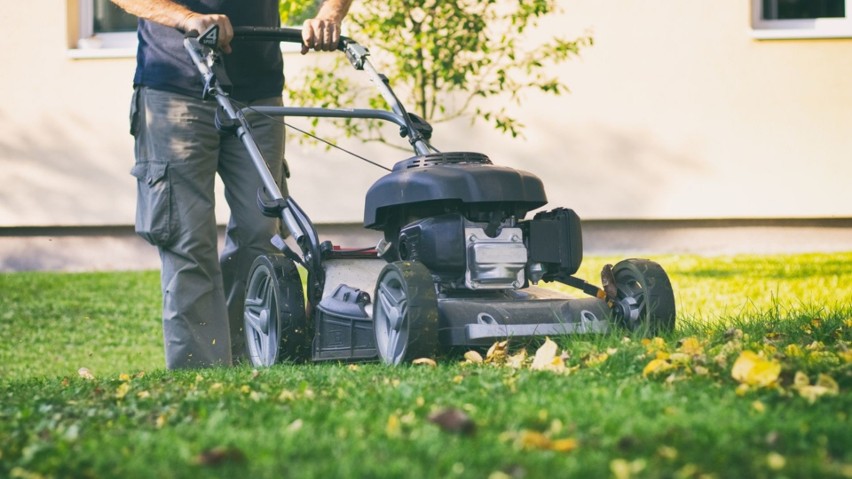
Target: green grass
331,420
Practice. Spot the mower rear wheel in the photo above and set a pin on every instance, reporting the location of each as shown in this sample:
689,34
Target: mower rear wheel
405,313
645,301
274,312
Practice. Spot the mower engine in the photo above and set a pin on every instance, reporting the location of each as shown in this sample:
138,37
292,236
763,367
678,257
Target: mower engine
457,214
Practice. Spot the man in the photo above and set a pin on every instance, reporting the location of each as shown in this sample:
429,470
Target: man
179,152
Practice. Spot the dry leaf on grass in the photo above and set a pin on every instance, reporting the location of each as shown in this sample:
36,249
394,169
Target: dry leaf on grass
754,370
453,420
424,362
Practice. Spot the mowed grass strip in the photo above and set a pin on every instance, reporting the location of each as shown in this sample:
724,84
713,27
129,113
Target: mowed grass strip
603,413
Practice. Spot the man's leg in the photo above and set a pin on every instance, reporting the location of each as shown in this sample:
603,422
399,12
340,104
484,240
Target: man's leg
248,233
177,149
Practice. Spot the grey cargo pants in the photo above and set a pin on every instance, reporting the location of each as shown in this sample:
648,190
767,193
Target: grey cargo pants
178,153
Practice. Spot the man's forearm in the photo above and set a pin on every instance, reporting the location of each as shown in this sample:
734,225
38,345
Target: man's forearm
165,12
334,10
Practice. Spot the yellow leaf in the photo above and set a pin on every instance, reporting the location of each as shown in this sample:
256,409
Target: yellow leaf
825,386
473,357
691,346
742,389
545,355
846,356
143,394
353,367
497,352
393,427
654,345
667,452
623,469
793,351
534,440
801,379
245,389
161,421
458,379
85,373
122,390
758,406
656,366
597,359
517,361
425,362
751,369
564,445
775,461
124,377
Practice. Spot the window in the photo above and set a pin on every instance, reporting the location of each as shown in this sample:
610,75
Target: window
802,18
104,29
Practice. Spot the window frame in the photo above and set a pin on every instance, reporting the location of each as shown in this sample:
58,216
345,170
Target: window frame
89,44
800,28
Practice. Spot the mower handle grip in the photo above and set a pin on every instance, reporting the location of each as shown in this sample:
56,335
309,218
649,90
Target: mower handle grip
276,34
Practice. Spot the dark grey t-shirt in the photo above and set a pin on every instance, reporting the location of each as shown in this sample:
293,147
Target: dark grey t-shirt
255,68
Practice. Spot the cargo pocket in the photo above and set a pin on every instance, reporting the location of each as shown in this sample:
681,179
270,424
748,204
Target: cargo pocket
153,203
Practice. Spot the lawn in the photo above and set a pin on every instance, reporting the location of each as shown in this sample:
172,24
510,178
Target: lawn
754,382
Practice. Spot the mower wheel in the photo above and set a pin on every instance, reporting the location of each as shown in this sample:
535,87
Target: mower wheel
274,313
645,300
405,313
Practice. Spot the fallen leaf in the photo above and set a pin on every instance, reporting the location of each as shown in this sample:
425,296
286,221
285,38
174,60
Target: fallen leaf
517,360
219,455
424,362
85,373
775,461
393,427
533,440
656,366
122,390
545,356
754,370
691,346
453,420
564,445
124,377
596,359
497,352
473,357
825,386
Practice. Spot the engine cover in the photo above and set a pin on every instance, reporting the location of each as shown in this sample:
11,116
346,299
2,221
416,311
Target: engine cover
438,180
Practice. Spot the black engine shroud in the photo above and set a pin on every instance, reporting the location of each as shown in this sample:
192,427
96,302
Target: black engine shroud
468,183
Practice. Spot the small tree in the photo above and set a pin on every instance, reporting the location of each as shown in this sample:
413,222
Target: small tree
444,59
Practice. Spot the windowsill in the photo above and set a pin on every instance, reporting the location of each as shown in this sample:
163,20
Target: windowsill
101,53
797,34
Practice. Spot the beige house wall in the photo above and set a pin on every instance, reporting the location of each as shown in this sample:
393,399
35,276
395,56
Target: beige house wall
675,112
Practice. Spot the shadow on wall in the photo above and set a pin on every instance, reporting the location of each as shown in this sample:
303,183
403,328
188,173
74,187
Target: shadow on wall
599,171
63,172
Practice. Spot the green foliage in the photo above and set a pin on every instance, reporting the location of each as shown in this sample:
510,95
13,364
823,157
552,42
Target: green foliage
445,59
296,12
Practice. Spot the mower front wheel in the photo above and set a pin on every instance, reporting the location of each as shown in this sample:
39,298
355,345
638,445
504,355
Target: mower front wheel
274,313
405,313
645,301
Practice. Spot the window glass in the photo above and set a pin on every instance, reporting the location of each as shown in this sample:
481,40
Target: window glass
803,9
109,18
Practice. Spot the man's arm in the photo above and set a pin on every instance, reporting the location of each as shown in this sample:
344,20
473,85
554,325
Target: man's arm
175,15
323,31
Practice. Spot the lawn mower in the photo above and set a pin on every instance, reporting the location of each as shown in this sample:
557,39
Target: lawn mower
458,262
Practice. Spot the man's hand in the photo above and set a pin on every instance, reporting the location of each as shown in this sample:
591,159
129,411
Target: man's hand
323,32
320,35
200,23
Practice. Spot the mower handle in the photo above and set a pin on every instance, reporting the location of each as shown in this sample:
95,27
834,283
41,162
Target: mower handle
284,34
